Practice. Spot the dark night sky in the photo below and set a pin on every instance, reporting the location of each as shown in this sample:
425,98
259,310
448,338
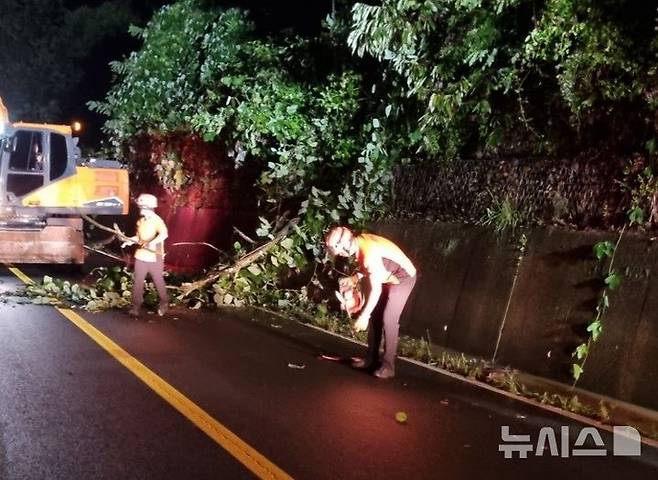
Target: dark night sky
303,16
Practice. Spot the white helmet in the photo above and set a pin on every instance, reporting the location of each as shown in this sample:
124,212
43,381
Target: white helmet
337,241
146,200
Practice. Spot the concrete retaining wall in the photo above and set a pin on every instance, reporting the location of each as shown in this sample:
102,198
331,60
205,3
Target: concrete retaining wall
478,293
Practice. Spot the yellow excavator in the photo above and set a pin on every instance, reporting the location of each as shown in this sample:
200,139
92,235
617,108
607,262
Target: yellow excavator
46,188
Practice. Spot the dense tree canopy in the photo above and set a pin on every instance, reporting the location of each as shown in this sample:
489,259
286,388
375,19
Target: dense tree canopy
328,116
517,75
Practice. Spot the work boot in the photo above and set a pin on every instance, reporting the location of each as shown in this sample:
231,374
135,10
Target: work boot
360,363
384,372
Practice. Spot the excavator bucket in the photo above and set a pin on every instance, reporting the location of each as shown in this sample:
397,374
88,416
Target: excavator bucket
60,240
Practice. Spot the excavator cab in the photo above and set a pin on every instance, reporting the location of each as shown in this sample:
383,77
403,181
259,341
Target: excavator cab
32,159
45,188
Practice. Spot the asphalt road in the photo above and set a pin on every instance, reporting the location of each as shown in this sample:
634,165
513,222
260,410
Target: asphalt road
70,410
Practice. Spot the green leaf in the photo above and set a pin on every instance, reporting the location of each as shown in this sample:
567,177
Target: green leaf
613,281
595,328
581,351
636,216
603,249
577,371
415,136
254,269
107,284
287,243
375,123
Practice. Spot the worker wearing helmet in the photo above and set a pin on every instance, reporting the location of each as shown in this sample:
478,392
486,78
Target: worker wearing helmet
391,277
149,256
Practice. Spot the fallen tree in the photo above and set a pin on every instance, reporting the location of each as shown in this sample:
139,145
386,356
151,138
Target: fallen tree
242,262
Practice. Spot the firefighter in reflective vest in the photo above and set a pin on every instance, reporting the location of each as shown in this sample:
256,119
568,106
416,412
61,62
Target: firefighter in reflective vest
149,256
391,277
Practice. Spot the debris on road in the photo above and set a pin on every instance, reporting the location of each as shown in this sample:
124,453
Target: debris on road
298,367
401,417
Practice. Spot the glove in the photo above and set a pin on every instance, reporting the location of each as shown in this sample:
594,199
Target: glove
128,243
361,323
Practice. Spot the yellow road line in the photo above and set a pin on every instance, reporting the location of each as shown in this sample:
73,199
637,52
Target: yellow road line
243,452
23,278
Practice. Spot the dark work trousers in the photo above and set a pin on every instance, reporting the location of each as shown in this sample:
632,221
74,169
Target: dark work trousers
386,319
156,271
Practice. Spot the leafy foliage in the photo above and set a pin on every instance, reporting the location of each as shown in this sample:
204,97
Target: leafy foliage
322,152
112,289
603,251
503,215
643,191
514,75
327,128
448,58
171,173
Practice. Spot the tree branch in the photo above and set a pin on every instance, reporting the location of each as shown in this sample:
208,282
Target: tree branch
241,263
245,237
